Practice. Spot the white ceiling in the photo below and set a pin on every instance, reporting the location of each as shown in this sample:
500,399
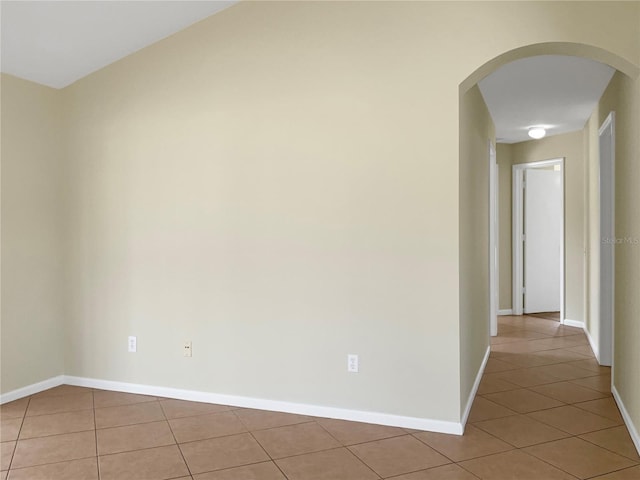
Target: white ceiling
557,92
56,43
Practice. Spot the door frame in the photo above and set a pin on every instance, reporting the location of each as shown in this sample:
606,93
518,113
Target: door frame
518,233
493,241
607,204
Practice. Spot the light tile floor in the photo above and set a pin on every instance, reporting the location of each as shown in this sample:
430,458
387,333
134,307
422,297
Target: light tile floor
544,411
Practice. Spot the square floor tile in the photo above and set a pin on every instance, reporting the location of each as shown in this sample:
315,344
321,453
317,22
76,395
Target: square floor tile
85,469
262,419
9,429
492,384
605,407
57,448
592,365
513,465
474,443
257,471
563,371
223,452
520,430
632,473
62,390
523,400
445,472
568,392
57,423
60,403
295,440
184,408
6,453
15,409
201,427
579,457
134,437
600,383
398,455
350,433
128,415
572,420
495,365
557,356
483,409
583,349
327,465
152,464
526,377
104,398
615,439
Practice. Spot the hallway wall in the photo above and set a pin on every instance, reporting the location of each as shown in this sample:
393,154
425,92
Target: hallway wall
33,319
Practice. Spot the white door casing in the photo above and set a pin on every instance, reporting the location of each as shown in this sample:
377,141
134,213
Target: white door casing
493,242
606,135
518,194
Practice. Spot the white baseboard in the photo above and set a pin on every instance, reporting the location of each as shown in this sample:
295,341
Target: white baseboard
31,389
474,390
633,431
592,344
573,323
417,423
505,311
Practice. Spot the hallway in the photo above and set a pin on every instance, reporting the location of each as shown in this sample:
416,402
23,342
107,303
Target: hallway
544,393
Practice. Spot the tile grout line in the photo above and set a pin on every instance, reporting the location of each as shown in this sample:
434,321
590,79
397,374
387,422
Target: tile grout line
261,446
95,432
164,414
15,447
346,447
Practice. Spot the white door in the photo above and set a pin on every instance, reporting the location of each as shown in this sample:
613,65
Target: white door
542,242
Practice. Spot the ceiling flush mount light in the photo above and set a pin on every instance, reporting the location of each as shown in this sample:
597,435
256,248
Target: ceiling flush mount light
537,132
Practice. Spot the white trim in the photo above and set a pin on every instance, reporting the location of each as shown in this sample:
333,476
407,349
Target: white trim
573,323
493,242
633,431
592,344
518,226
607,195
439,426
474,390
516,241
31,389
505,311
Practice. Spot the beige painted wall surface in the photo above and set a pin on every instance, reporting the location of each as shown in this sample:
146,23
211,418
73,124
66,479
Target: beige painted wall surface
32,305
623,97
571,147
279,184
627,276
476,130
503,157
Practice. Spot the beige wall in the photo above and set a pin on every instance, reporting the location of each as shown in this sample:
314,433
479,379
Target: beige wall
623,97
280,184
571,147
476,130
32,224
505,233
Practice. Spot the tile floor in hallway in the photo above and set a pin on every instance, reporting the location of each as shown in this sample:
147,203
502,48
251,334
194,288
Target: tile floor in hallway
544,411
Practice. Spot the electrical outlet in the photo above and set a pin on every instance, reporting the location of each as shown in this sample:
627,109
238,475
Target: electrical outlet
133,344
352,363
187,351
